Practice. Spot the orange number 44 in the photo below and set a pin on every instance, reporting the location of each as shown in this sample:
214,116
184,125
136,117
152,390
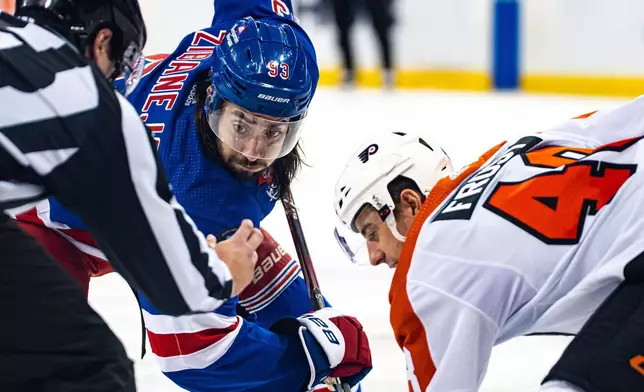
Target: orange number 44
553,206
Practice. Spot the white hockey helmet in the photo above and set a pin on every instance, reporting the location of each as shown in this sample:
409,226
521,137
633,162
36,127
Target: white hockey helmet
365,179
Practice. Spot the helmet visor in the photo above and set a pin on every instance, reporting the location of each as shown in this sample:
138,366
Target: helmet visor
352,244
253,135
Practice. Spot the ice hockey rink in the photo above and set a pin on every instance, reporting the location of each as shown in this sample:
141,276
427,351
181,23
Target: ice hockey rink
465,125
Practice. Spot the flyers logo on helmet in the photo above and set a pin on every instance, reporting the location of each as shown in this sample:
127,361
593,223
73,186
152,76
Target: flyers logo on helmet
364,155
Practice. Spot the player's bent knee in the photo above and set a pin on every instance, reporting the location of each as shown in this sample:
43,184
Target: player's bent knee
608,353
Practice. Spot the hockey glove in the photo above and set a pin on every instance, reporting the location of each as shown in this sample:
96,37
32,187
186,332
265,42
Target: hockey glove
274,272
335,345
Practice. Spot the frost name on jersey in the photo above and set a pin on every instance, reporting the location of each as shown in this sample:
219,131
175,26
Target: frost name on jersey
462,203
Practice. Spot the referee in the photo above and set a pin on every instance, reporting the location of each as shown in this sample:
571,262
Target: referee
65,132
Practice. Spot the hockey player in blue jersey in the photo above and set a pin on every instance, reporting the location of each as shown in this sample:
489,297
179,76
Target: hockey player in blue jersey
226,109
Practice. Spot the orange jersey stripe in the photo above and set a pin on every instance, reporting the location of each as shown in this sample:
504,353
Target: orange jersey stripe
586,115
408,329
7,6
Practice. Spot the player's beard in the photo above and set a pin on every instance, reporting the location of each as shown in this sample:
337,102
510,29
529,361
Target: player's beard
243,174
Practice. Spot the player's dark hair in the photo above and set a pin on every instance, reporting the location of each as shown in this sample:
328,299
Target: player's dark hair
398,185
79,21
285,168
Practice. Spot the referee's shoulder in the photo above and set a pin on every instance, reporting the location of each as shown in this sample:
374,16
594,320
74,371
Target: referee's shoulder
34,58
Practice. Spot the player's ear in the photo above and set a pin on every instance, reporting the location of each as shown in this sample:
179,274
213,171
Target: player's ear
100,47
99,51
410,199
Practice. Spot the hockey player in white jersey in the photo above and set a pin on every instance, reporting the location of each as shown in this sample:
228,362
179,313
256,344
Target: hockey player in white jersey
544,234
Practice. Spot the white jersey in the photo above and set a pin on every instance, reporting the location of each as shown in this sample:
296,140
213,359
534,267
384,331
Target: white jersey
529,239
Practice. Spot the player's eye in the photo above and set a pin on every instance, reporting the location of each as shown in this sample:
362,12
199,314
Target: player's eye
240,128
273,133
371,235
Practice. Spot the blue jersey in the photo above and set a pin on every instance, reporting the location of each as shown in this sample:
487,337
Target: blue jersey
166,100
220,351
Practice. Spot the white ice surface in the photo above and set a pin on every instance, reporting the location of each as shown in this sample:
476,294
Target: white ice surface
466,124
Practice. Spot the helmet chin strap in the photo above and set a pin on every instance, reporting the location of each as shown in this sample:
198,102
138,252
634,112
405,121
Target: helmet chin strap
386,208
391,222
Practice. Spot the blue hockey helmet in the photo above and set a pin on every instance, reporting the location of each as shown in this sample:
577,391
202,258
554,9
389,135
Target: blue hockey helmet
261,72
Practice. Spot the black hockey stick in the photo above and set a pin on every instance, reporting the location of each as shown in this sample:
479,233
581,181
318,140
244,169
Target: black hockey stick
306,264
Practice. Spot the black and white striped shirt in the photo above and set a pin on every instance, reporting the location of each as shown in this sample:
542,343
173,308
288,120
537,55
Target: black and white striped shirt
64,132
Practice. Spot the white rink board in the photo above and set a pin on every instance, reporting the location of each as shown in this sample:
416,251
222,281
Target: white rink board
466,124
583,37
451,34
557,37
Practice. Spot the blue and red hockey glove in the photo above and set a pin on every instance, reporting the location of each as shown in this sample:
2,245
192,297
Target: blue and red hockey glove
335,345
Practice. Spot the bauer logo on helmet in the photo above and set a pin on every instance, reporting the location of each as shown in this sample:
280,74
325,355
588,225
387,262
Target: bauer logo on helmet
273,99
